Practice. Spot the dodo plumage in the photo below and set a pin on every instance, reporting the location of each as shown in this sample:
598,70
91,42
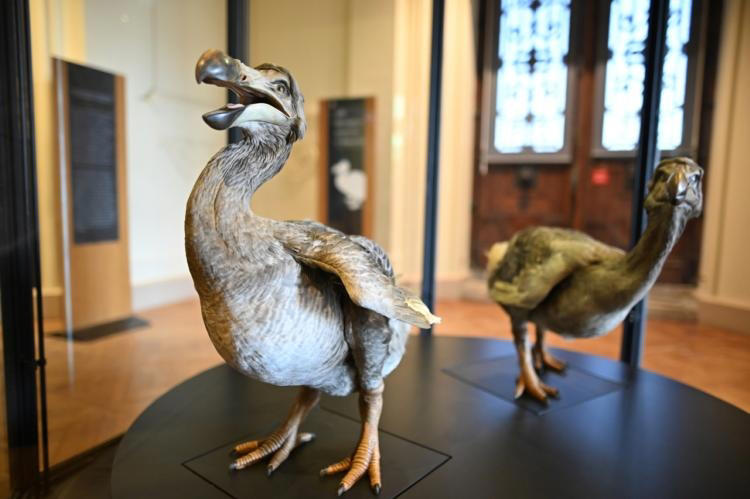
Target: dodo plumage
289,303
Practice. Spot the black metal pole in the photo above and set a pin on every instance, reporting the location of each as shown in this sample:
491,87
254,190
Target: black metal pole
238,45
433,157
632,338
19,272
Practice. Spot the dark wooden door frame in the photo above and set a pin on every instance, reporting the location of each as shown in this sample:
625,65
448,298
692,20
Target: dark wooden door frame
20,289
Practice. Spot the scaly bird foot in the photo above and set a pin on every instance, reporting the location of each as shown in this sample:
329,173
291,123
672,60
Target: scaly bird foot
536,388
543,359
281,443
365,458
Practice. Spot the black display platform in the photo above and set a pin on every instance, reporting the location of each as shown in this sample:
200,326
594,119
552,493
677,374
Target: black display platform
404,462
498,376
634,434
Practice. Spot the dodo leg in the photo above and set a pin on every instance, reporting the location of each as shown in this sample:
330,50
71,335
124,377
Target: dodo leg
369,341
282,441
528,379
366,457
542,358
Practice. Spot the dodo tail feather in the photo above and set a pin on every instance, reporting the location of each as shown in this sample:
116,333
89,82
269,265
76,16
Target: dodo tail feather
419,307
495,255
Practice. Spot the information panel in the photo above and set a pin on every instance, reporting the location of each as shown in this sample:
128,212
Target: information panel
91,96
347,150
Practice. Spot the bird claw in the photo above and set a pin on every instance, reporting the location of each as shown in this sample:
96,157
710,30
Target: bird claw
279,443
536,388
365,459
544,360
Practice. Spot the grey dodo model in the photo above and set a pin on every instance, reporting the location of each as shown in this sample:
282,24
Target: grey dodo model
289,303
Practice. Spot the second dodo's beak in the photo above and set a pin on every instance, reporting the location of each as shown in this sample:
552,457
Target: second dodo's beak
677,186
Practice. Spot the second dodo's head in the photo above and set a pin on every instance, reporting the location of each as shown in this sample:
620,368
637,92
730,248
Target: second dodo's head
676,185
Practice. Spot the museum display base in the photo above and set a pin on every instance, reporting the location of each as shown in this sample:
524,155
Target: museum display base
450,428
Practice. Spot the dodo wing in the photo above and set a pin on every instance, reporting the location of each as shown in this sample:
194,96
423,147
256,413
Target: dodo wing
360,264
537,276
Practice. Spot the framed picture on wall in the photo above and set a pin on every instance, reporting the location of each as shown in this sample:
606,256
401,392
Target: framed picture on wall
347,148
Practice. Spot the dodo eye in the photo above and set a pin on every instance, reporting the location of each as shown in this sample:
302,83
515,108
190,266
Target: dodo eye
281,88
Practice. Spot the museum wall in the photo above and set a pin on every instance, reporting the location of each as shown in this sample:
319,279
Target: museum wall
411,91
724,294
336,48
57,32
369,66
341,48
167,142
411,61
457,145
309,38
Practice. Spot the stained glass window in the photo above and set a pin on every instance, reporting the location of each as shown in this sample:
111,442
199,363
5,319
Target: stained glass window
625,74
532,79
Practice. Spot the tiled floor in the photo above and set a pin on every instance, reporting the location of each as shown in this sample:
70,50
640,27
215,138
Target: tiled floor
96,389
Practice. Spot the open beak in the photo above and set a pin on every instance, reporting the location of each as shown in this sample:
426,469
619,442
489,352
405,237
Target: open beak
216,68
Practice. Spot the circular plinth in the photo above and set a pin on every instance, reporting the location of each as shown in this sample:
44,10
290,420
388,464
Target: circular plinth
450,428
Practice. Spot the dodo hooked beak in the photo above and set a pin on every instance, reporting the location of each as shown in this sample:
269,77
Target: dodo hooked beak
215,66
250,85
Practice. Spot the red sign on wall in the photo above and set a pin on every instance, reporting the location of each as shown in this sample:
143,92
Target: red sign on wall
600,176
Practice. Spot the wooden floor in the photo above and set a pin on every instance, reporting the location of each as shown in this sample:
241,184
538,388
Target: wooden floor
96,389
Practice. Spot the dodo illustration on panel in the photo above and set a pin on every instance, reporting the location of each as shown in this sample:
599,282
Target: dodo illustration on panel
291,303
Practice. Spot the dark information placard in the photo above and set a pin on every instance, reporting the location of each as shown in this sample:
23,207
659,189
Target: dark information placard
346,170
93,180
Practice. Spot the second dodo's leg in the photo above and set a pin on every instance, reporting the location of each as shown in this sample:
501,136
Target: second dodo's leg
528,380
542,358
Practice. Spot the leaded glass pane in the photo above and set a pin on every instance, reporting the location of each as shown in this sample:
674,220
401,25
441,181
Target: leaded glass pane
674,80
625,74
531,89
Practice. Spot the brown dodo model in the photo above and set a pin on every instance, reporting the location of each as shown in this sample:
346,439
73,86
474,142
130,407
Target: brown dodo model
566,282
289,303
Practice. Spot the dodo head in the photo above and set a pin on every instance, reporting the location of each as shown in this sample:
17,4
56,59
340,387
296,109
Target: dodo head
676,183
270,102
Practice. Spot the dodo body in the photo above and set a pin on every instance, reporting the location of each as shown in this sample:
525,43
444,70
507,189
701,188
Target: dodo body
290,303
566,282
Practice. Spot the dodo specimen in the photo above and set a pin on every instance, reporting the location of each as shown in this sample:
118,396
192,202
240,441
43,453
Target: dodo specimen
566,282
289,303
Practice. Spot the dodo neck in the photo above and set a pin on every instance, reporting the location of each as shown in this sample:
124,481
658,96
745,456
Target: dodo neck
238,170
646,259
